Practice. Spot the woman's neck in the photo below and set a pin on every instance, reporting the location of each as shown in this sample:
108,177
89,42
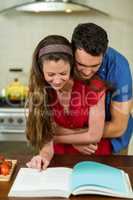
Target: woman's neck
67,87
64,95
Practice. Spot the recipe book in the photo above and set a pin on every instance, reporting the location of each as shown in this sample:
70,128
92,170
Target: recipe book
86,177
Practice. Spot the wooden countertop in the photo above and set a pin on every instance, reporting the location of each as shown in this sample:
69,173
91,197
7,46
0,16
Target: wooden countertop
122,162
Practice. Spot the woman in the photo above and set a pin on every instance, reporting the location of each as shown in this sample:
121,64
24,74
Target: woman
55,97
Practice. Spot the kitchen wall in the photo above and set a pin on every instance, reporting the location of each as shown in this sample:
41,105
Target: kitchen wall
20,32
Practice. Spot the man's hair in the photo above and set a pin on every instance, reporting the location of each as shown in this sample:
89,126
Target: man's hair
90,37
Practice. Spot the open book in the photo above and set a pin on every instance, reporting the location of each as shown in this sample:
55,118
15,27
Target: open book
86,177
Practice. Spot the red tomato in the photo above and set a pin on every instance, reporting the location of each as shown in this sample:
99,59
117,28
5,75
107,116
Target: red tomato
8,162
5,169
2,158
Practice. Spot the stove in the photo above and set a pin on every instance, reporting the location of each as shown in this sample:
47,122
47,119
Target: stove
12,123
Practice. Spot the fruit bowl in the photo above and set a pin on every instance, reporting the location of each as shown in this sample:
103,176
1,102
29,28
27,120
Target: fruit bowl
7,167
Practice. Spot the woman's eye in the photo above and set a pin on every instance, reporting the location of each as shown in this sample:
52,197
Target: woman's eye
63,73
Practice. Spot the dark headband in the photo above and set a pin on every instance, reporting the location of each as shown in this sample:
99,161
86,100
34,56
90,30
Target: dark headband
55,48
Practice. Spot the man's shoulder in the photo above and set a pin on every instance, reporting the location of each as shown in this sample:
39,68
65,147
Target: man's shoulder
114,55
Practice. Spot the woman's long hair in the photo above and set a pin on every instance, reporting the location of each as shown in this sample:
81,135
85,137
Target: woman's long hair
39,129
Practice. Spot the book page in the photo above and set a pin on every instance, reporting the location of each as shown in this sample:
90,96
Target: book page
56,178
30,180
127,182
98,175
104,192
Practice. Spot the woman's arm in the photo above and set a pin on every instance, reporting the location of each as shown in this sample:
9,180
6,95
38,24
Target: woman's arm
61,131
95,130
42,160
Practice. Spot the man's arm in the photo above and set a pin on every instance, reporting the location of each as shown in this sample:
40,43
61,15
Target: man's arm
94,132
119,119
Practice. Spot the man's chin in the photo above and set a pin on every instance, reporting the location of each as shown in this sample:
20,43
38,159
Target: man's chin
81,76
84,77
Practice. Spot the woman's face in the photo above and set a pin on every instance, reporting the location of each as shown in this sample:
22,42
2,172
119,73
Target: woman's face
56,73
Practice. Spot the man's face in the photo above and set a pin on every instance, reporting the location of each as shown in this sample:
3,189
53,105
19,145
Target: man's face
86,64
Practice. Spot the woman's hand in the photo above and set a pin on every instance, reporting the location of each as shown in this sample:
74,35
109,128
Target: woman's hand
86,149
42,160
38,162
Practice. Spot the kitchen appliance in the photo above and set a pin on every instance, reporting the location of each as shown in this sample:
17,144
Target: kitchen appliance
12,124
12,111
52,6
16,91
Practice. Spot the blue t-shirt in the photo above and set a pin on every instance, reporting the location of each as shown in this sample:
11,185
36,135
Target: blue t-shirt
115,69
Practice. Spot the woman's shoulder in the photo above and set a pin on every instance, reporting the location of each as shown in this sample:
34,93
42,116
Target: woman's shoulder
92,90
95,84
79,84
98,89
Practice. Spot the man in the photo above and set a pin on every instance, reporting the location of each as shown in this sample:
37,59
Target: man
92,54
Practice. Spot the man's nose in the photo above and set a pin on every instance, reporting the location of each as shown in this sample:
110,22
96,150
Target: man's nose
87,71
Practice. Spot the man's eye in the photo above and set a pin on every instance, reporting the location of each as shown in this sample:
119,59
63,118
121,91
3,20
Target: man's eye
79,64
50,74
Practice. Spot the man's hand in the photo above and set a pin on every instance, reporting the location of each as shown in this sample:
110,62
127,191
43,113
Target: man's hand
86,149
